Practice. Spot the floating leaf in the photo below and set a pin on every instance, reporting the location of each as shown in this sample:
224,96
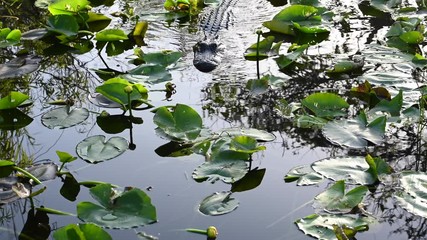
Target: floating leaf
394,106
336,199
321,226
95,149
218,203
245,144
304,175
114,90
19,66
110,35
128,209
66,7
283,61
355,133
63,24
184,123
325,104
81,232
259,135
263,49
229,171
352,169
64,117
65,157
13,100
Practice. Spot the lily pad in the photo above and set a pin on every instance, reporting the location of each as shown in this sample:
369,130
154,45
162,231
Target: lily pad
336,199
352,169
184,123
19,66
264,49
259,135
325,104
12,119
283,61
81,232
95,149
229,171
64,117
128,209
245,144
321,226
304,175
355,133
218,203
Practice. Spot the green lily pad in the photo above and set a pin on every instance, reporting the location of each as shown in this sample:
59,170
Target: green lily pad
114,90
149,73
122,210
64,117
110,35
259,135
245,144
65,7
63,24
283,61
13,100
355,133
325,104
304,175
394,106
218,203
13,119
354,170
229,171
336,199
264,49
321,226
251,180
95,149
183,124
81,232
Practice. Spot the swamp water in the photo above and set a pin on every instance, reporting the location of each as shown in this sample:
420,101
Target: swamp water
267,211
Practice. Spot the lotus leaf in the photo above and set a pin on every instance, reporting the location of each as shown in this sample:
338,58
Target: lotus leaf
96,22
245,144
63,24
66,7
64,117
304,175
394,106
325,104
336,199
321,226
95,149
356,170
13,100
386,5
309,121
355,133
114,90
151,73
128,209
183,124
19,66
9,37
283,61
85,231
218,203
259,135
163,58
229,171
110,35
264,49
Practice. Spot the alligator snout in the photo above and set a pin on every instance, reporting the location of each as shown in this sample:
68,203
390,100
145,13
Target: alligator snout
206,56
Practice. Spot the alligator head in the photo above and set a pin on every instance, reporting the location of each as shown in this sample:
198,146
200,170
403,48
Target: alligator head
207,55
